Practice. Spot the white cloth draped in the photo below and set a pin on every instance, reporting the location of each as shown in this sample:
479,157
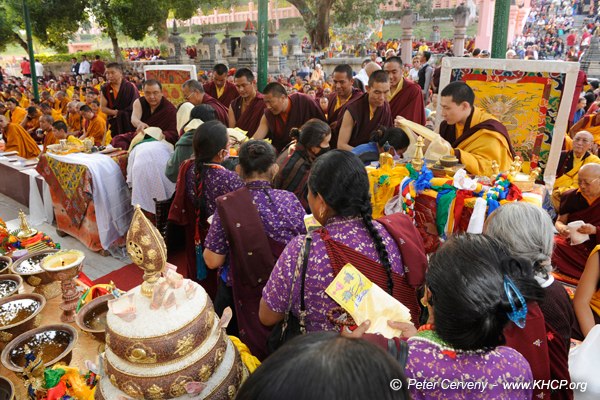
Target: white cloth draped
146,174
110,194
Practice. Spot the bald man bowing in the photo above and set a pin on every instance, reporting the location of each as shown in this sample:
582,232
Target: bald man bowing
285,112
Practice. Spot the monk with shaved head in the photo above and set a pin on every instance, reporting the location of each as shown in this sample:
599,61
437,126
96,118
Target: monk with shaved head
582,204
570,163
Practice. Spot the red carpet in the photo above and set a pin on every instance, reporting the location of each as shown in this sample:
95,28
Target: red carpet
130,276
124,278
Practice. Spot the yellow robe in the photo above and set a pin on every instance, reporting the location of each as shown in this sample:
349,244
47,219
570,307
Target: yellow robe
74,122
49,139
95,130
568,180
594,130
57,115
17,139
18,115
478,151
24,102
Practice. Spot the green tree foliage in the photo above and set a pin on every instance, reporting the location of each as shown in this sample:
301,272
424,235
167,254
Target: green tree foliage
316,14
53,22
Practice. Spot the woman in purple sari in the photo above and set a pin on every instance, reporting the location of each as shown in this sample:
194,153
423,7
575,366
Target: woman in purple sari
200,181
338,195
252,226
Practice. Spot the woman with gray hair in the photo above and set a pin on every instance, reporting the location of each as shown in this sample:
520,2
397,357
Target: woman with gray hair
527,232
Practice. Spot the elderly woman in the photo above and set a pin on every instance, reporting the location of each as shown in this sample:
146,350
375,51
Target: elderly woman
472,291
295,161
527,232
338,195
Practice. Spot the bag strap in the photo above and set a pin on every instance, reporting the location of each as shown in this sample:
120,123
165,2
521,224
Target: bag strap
399,350
302,260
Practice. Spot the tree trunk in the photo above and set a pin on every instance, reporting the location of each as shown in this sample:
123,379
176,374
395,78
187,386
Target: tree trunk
320,39
116,49
316,24
21,42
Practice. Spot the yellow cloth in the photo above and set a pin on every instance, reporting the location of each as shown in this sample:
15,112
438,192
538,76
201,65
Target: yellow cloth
382,184
248,359
219,91
95,130
57,115
48,140
595,302
74,122
398,89
568,180
76,385
17,139
594,130
61,105
107,138
478,151
18,115
568,143
24,102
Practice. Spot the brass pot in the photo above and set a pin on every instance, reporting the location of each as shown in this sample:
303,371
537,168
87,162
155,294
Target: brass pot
92,311
7,390
56,342
18,282
30,268
9,332
5,263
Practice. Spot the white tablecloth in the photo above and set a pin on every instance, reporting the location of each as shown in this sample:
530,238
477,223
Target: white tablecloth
110,194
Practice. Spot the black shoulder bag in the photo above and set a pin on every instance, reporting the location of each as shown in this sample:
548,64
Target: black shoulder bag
292,326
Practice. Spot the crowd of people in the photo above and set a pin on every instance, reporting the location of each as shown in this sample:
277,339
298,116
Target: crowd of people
485,308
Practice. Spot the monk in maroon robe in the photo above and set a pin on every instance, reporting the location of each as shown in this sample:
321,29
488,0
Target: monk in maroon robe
247,109
151,110
366,114
406,97
345,92
220,88
193,91
581,204
285,112
116,100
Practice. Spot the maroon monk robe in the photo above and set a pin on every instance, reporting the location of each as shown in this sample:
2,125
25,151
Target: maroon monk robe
570,260
183,213
249,120
303,108
332,113
531,341
408,103
163,117
252,258
220,109
229,92
364,125
123,103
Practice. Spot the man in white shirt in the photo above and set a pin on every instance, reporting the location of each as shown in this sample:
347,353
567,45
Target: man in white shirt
39,69
84,67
